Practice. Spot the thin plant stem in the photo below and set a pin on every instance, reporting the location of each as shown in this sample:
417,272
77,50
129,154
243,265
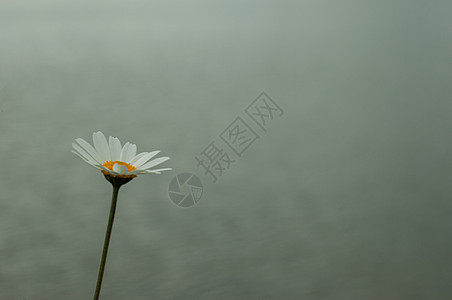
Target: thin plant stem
114,199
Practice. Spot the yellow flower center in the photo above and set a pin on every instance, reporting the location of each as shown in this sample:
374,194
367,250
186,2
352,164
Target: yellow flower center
109,165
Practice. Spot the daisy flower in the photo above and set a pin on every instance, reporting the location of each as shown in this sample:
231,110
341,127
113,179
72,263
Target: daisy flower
119,164
116,160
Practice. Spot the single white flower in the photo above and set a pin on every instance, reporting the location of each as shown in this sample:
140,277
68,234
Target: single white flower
119,164
116,161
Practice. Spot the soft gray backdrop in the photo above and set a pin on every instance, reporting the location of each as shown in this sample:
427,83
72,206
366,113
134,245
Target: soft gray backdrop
347,196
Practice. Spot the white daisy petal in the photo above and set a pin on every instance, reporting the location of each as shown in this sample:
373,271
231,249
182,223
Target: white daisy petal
138,172
135,172
101,145
96,165
124,151
153,163
91,151
145,158
115,148
83,158
158,171
137,157
83,153
130,153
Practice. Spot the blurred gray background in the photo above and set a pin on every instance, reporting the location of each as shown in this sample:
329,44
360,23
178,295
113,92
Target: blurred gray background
347,196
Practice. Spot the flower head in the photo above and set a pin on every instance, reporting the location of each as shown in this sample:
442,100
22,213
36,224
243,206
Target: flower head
115,160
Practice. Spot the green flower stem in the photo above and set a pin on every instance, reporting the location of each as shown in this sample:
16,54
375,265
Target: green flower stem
114,199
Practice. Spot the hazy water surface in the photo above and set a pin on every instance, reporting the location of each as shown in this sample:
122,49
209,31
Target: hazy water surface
346,196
